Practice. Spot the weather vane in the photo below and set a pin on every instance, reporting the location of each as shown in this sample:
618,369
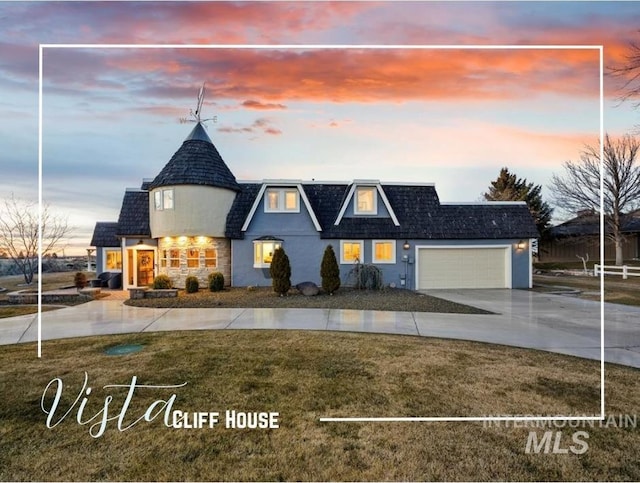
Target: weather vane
195,116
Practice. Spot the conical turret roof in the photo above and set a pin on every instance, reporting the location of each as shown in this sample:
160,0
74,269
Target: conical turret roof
197,162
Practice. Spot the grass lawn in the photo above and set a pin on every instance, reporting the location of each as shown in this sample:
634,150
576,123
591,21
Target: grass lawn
15,310
616,290
50,281
345,298
305,375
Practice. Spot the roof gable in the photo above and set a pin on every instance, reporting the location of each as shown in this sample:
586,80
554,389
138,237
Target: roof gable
379,192
260,195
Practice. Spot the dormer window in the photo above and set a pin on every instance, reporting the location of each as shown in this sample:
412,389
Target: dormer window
163,199
366,201
282,200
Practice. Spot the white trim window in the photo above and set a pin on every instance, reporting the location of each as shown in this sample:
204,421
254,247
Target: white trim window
281,200
263,252
112,259
366,201
383,251
210,258
351,251
163,199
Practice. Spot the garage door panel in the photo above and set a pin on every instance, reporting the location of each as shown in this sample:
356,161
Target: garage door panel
462,268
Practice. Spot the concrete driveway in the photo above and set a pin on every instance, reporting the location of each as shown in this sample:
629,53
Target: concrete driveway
523,319
556,323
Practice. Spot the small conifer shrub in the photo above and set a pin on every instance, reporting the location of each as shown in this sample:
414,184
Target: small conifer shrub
330,271
280,271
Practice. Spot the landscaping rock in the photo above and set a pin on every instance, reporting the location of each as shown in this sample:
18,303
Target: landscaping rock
308,289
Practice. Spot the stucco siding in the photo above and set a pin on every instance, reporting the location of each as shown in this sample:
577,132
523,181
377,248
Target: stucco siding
99,260
300,241
305,254
197,211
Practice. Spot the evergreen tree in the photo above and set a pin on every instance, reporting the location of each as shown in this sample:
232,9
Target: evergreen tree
280,271
508,187
330,271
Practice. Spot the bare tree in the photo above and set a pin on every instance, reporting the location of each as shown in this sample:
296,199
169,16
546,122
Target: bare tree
629,73
579,188
19,232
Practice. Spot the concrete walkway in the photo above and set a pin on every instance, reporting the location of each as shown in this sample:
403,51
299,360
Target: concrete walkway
524,319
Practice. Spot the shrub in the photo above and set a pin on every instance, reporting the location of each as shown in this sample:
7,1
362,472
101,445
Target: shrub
280,271
191,284
162,282
366,277
330,271
80,280
216,282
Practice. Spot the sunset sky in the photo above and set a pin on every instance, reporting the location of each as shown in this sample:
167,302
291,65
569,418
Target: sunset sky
451,117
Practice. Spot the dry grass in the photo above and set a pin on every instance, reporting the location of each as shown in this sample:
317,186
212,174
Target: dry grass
16,310
616,290
306,375
50,281
578,265
345,298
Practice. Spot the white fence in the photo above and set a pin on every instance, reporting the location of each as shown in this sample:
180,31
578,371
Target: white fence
624,270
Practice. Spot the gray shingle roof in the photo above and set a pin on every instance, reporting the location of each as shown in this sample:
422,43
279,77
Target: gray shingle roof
104,234
134,214
418,209
197,162
240,209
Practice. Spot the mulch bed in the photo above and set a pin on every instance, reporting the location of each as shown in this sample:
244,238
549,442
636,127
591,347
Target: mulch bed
345,298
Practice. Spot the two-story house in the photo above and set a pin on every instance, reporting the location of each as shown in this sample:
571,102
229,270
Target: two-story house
195,218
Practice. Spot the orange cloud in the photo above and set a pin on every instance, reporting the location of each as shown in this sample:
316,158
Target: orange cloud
358,75
251,104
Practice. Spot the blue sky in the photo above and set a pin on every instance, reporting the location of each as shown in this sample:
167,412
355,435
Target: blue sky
110,117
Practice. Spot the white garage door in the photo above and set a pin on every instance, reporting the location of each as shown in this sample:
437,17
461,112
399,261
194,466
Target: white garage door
463,268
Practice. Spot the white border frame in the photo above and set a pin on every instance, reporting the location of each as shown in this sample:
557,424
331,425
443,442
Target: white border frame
596,47
508,265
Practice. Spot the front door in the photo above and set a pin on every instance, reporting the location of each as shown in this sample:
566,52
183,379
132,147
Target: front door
144,270
139,267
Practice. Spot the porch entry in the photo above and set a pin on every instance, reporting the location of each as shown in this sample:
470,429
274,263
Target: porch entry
140,264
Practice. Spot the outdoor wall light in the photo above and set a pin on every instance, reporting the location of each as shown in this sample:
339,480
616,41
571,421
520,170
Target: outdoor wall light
140,242
521,245
406,245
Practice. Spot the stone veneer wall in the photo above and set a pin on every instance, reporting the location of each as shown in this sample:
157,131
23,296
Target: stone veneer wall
179,274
